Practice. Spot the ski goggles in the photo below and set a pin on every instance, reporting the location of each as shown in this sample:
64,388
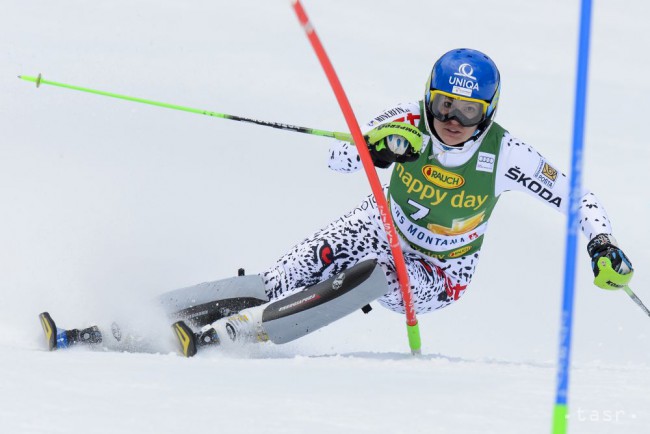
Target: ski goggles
467,111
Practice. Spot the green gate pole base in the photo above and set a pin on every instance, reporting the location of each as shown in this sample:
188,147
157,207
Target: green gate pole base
415,343
560,419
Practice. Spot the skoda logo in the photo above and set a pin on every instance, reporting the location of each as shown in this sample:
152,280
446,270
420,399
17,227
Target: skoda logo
466,70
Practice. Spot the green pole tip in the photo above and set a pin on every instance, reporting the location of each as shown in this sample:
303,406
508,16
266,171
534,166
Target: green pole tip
560,419
413,332
36,80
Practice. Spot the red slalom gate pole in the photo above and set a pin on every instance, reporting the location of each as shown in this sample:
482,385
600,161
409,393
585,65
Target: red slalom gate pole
413,329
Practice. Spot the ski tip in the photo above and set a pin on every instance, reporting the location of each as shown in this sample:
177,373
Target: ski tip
49,328
186,338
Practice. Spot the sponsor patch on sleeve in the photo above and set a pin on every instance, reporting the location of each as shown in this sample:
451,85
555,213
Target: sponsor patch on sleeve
546,174
485,162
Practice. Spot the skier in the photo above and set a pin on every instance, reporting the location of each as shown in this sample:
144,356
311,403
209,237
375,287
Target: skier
451,162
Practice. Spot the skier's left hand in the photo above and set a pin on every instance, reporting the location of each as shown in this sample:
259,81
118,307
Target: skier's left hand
612,269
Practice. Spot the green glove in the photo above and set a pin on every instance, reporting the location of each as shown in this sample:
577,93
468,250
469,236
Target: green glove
394,142
612,269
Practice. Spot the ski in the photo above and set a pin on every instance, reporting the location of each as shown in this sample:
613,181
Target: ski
49,328
57,338
293,316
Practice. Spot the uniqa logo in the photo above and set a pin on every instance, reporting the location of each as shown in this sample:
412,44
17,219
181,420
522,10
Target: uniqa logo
442,178
466,70
464,78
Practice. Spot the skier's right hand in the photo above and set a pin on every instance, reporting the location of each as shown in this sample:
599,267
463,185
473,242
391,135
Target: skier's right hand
394,142
612,269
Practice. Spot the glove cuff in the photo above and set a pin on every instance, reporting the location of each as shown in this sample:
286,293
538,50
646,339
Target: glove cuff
600,242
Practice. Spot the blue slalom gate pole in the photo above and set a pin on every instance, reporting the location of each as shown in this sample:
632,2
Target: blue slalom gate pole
560,411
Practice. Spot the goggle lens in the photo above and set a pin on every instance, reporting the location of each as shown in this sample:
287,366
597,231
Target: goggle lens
467,112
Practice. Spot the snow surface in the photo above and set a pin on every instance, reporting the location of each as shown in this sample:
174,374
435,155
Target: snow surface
107,203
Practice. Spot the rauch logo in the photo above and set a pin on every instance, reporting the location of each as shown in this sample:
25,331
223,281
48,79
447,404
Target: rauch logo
442,178
460,252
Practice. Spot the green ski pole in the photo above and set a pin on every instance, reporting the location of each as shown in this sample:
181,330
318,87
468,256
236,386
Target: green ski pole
636,299
336,135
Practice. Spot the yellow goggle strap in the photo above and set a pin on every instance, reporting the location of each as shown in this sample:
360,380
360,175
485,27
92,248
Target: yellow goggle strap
435,92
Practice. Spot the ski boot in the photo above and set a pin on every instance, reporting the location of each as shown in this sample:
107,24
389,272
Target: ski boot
60,338
190,341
